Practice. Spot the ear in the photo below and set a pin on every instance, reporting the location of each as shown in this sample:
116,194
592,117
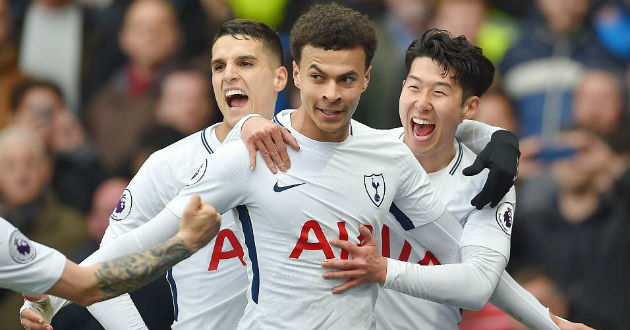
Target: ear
296,75
470,107
280,79
366,78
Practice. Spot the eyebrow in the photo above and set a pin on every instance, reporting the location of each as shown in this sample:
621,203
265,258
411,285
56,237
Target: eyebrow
345,74
439,83
239,58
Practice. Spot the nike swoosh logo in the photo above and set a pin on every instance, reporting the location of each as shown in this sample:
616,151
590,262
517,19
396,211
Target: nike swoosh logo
278,188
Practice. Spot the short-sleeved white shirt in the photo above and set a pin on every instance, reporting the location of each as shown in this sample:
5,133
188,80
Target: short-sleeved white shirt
287,218
209,287
489,227
27,266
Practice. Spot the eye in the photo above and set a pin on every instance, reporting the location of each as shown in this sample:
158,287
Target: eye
245,63
316,76
347,80
218,67
441,93
413,87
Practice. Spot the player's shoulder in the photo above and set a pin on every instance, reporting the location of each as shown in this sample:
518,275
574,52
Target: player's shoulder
196,144
379,138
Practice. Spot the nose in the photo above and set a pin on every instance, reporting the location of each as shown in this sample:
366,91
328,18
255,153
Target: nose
331,92
423,101
230,73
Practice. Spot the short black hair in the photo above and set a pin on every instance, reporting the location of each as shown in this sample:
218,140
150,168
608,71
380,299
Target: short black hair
473,71
331,26
20,91
245,28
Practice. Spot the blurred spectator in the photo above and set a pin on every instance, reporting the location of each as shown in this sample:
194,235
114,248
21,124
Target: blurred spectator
27,202
460,17
185,102
10,75
581,238
152,140
123,109
402,22
496,109
540,71
108,17
56,39
39,106
598,106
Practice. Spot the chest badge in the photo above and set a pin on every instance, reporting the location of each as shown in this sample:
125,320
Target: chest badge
375,188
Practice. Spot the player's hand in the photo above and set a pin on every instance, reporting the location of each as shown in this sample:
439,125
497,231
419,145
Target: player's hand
367,265
31,320
261,134
200,223
568,325
501,157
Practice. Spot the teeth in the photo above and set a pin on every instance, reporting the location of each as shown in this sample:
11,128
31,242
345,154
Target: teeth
422,121
328,112
234,92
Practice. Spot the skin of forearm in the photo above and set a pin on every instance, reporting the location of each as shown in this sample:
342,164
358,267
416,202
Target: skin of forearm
135,270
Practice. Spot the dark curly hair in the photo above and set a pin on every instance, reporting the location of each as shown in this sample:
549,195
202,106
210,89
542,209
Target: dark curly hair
472,70
244,28
331,26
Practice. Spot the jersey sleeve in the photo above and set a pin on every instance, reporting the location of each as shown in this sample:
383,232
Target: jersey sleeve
475,134
27,266
416,202
491,227
513,299
225,186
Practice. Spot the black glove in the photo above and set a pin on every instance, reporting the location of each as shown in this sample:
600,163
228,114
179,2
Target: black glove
501,157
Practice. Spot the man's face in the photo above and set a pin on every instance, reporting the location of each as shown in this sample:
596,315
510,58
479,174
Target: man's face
244,79
185,102
150,33
38,111
431,107
24,173
330,83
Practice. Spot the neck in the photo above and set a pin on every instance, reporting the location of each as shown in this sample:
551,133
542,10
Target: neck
142,71
302,122
437,160
576,207
222,131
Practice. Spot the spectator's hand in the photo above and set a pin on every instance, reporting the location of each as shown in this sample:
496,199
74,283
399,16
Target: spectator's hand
68,134
568,325
261,134
366,266
501,157
199,224
528,165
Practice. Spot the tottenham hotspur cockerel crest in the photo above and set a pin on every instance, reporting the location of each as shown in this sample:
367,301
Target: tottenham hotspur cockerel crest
375,188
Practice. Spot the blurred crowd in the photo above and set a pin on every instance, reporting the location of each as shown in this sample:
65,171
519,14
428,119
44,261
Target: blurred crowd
90,88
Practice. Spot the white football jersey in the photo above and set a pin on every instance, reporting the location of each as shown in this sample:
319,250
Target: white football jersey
209,287
27,266
489,227
288,218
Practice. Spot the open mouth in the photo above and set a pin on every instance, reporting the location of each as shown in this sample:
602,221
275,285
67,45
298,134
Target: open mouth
328,113
422,128
236,98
